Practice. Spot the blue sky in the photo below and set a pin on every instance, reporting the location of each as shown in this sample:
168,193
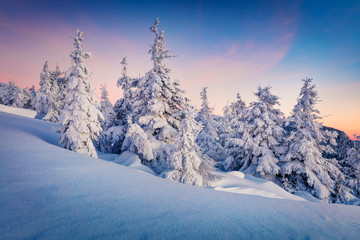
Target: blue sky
229,46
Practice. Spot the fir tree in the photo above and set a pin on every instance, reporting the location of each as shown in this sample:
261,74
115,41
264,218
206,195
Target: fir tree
62,81
256,145
53,98
208,138
124,106
303,165
12,93
32,97
4,88
111,140
157,110
186,163
137,141
14,96
25,98
351,167
237,108
225,129
42,101
158,99
80,118
106,109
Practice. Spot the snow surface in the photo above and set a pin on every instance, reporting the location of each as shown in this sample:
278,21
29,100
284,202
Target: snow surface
237,182
127,159
47,192
234,182
18,111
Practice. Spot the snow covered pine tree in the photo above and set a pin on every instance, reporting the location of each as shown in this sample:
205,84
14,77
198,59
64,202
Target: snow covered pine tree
106,108
32,97
208,139
11,94
156,116
303,166
351,167
229,124
186,163
42,102
111,140
53,98
257,145
80,119
124,106
234,140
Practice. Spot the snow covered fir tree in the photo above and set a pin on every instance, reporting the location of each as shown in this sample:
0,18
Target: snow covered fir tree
155,121
208,138
80,118
158,105
186,163
303,165
111,139
106,109
42,95
256,146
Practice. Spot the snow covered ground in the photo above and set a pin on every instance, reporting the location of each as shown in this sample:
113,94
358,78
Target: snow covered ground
47,192
234,182
18,111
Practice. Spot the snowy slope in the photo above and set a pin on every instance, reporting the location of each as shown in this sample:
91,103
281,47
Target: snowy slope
18,111
237,182
47,192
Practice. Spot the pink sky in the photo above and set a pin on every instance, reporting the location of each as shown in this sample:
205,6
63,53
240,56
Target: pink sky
232,66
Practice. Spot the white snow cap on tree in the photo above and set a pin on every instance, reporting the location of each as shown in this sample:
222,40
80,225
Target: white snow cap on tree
80,118
208,138
303,166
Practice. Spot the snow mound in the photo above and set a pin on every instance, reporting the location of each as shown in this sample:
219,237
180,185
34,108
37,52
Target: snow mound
18,111
238,182
127,159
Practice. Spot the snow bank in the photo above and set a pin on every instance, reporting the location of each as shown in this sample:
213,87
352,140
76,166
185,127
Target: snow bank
47,192
238,182
127,159
18,111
